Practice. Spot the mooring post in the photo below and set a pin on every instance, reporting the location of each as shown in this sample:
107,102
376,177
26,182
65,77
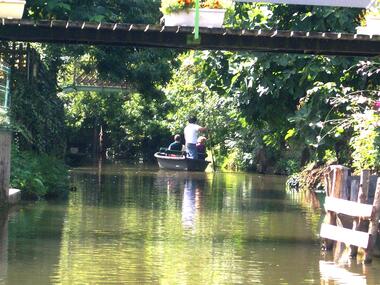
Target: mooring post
330,216
373,225
337,186
358,223
341,192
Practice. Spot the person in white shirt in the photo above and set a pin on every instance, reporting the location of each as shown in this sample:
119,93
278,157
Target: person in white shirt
191,136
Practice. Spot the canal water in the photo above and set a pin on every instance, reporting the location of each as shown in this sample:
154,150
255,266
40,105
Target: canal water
130,225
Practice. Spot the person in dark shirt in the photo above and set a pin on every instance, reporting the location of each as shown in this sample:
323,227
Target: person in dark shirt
176,145
201,148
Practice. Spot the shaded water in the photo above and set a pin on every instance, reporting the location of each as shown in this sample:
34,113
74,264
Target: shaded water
147,226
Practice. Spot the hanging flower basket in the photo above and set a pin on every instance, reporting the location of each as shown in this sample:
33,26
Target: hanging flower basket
209,18
182,12
12,9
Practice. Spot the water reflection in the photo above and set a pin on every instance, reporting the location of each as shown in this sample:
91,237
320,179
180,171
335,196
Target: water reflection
189,206
31,240
332,273
129,225
121,230
191,202
189,188
3,246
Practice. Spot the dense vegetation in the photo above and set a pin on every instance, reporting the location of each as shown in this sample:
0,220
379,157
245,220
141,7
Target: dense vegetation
279,112
267,112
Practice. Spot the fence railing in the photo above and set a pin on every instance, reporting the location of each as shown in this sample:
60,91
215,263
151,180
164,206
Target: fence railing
352,207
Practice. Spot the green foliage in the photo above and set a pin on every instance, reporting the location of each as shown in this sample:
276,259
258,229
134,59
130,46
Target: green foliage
273,112
282,109
231,161
143,70
38,175
132,11
131,124
365,141
4,118
342,118
191,92
375,9
37,115
287,166
314,18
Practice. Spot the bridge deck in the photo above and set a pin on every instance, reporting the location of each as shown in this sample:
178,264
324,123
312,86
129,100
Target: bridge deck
141,35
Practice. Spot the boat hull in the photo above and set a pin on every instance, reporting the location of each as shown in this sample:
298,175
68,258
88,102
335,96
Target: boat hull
181,163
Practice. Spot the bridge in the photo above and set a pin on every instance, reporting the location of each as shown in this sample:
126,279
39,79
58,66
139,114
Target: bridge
143,35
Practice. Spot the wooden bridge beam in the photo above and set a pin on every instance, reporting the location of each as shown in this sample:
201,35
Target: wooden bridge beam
141,35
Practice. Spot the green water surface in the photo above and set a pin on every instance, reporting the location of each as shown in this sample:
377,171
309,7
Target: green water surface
134,225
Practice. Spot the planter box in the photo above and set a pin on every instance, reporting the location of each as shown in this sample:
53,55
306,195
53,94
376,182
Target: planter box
12,9
209,18
372,28
373,21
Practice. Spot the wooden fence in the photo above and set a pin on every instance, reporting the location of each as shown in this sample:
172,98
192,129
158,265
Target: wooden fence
352,213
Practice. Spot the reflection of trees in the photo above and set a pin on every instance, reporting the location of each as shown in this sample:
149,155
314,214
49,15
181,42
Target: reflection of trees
130,229
34,235
312,205
243,230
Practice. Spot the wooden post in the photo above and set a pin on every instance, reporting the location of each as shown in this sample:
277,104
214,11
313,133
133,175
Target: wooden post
363,186
328,181
374,223
5,163
354,189
358,223
330,217
337,178
339,183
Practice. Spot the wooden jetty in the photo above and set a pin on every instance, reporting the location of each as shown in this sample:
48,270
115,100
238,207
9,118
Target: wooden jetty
352,213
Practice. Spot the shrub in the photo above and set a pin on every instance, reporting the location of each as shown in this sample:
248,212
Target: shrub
38,175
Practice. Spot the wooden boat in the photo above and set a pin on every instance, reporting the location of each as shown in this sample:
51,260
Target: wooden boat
179,161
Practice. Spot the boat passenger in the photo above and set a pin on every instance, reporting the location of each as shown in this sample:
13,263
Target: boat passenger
201,147
191,135
176,145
